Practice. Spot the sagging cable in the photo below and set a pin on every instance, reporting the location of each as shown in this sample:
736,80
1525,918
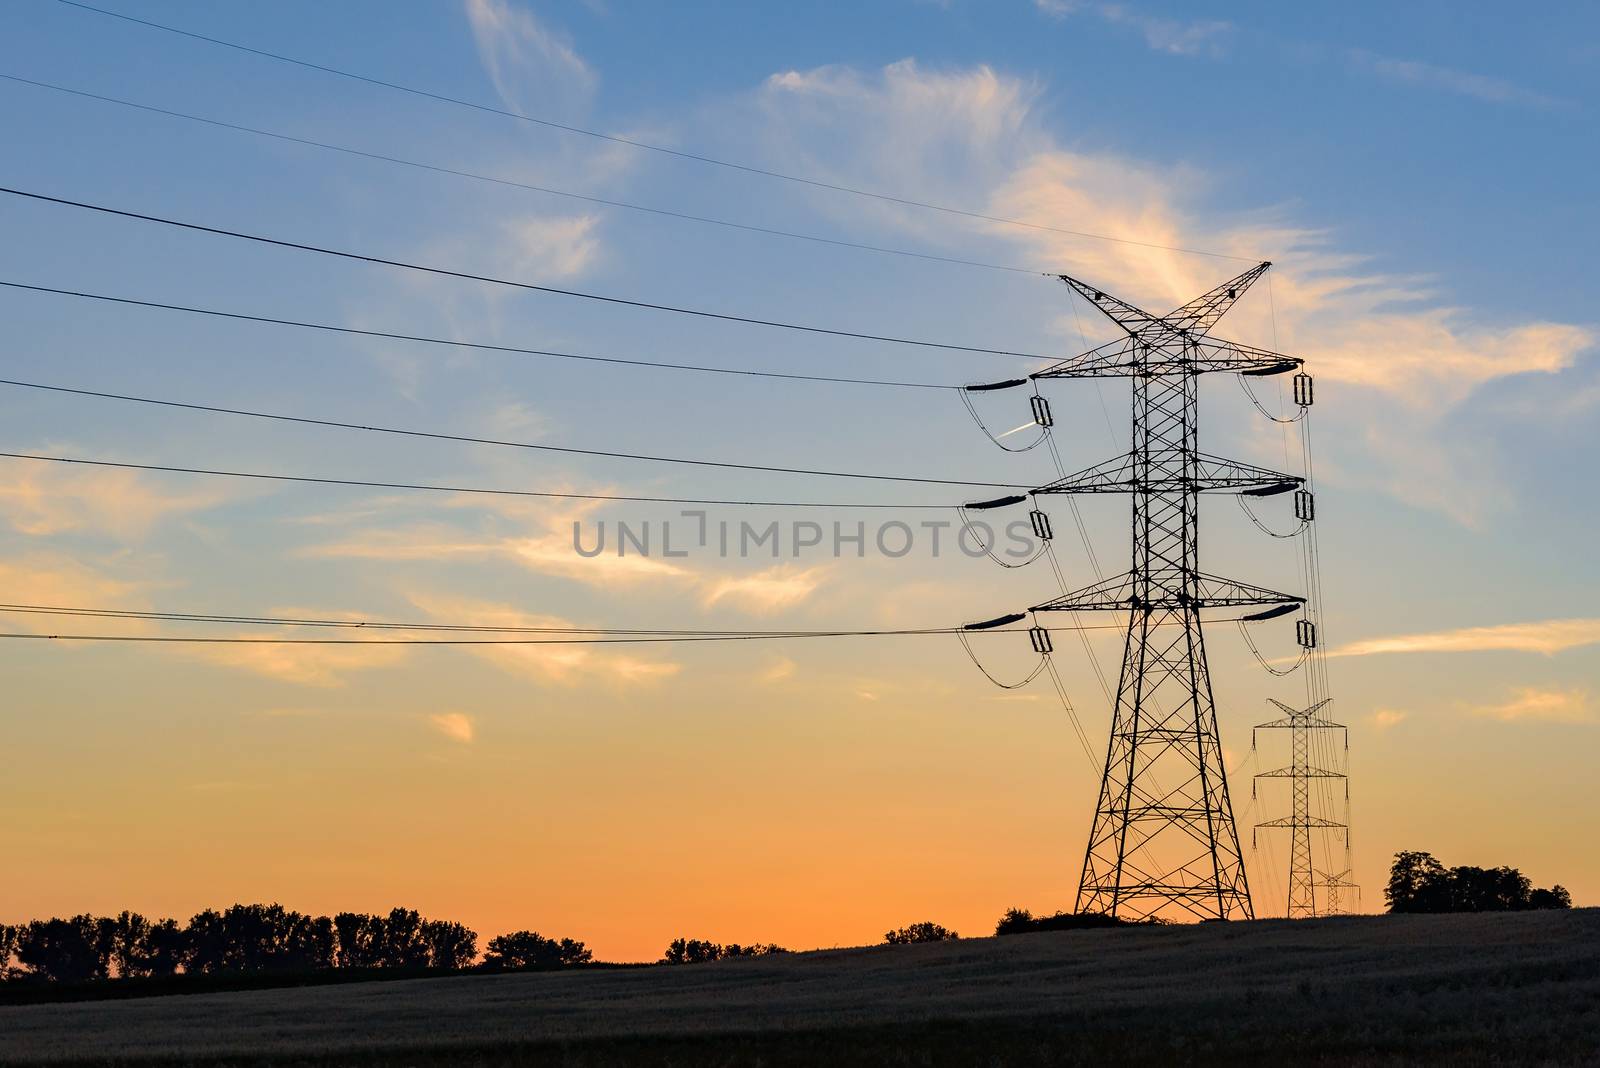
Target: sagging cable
1248,392
1044,658
968,529
1244,506
1244,632
972,410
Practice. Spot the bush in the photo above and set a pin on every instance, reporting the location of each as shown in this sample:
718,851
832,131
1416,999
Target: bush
919,932
696,951
1021,921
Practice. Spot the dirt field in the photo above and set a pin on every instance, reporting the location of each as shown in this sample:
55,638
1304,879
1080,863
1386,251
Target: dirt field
1520,988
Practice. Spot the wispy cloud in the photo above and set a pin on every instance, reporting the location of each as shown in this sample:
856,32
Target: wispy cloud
558,664
1463,83
529,62
1385,718
1180,37
457,726
544,246
50,499
766,591
1548,706
1548,637
973,136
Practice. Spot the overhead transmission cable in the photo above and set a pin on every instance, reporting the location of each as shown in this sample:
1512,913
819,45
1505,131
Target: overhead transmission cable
466,439
469,490
632,142
587,198
476,345
469,276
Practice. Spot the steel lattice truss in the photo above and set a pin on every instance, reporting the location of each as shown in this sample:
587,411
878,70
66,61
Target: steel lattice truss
1304,879
1163,840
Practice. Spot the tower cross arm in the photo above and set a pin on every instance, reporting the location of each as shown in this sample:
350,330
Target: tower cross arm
1121,593
1308,821
1120,475
1307,772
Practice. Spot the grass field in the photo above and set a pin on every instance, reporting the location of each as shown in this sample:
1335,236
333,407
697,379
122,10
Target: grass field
1510,988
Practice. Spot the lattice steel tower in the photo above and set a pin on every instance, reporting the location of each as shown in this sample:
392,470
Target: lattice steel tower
1304,879
1163,840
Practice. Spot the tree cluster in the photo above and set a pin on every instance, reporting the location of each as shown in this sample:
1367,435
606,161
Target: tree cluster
919,932
532,950
240,940
1419,883
1021,921
695,951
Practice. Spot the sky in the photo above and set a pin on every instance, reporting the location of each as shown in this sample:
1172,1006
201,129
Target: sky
1420,176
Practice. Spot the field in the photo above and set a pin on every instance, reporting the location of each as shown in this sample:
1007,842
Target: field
1509,988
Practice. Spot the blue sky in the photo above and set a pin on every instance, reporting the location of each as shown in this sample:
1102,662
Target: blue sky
1421,176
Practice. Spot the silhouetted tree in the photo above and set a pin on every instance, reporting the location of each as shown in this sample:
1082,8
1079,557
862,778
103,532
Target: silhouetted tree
402,943
1015,921
360,940
258,938
165,944
530,949
1021,921
1417,883
1488,889
691,951
66,951
1556,897
131,932
450,945
920,932
758,949
8,948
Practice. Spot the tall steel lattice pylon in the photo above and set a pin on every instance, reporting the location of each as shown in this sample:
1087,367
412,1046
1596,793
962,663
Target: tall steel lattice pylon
1163,840
1304,879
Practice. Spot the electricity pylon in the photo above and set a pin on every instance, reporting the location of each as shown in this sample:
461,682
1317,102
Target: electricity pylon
1304,879
1163,839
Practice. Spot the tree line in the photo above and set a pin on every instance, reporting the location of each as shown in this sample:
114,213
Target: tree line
1418,882
262,939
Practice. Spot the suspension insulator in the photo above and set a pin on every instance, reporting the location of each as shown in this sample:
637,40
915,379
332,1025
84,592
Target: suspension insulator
1305,633
1305,508
1302,389
1041,525
1041,411
1040,639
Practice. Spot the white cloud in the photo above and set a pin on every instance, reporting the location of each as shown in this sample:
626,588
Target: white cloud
780,669
1548,637
44,499
1548,706
1401,360
558,664
1179,37
531,65
1462,83
1385,718
766,591
553,246
457,726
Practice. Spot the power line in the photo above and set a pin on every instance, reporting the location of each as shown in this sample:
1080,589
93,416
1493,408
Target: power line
492,179
472,628
478,345
645,146
436,436
546,635
556,291
474,490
